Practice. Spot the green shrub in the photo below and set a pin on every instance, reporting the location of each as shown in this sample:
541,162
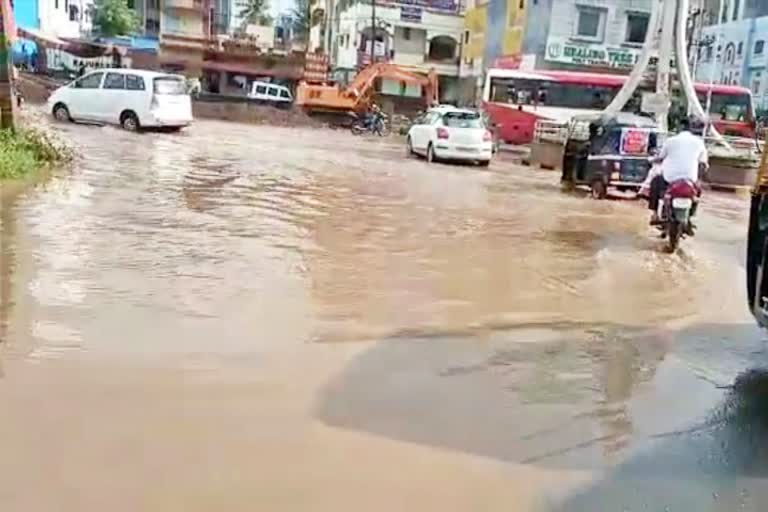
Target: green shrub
24,151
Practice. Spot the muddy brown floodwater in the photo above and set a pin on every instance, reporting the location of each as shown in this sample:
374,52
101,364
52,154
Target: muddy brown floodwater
249,318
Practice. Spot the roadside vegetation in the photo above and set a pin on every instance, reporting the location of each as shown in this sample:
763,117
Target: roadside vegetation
25,151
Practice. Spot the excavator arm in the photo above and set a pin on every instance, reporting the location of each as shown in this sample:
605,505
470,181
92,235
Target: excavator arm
357,95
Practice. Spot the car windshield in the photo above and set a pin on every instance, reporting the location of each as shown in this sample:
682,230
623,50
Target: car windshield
463,120
170,85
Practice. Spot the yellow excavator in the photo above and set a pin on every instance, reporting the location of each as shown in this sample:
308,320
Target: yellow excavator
357,96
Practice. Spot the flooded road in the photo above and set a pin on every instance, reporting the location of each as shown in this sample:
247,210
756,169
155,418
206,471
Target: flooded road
244,318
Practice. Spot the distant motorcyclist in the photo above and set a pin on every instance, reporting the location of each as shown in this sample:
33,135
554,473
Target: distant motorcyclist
680,159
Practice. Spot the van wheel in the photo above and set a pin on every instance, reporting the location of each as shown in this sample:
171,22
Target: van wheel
61,113
129,121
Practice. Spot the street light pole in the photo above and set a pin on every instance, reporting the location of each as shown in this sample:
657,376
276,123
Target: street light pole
373,31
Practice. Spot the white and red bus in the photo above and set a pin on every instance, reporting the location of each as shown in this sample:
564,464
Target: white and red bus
516,100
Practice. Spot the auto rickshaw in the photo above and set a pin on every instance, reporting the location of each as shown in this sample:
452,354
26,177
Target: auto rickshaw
757,245
605,152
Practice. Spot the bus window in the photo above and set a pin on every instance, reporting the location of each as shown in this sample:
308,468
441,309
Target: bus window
554,94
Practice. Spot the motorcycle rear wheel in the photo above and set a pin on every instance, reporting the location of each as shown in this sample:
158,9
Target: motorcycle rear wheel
673,238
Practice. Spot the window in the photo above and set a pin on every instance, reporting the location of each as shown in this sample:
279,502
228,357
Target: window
407,33
756,82
759,47
463,120
261,89
114,81
522,5
466,37
134,83
709,53
74,13
55,4
590,23
637,27
736,9
284,94
170,85
91,81
66,5
272,91
740,50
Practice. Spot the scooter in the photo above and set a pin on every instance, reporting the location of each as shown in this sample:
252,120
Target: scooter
676,210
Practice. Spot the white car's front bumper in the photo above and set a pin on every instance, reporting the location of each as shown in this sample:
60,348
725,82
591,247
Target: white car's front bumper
447,151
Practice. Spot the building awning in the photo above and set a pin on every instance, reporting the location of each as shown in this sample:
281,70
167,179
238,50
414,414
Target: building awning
41,38
79,48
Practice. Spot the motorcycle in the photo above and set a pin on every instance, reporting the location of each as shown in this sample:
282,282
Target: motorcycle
377,124
676,210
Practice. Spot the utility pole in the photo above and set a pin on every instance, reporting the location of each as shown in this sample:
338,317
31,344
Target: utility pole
7,102
373,31
717,55
309,24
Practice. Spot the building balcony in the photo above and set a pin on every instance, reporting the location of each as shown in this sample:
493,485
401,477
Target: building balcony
194,5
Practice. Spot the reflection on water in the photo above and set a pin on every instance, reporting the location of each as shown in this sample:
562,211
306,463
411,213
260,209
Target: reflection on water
317,242
718,465
7,262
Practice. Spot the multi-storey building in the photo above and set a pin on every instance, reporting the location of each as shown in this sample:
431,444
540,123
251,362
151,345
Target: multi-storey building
733,49
424,35
64,18
595,35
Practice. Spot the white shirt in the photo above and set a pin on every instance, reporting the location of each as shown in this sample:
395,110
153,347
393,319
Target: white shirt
681,156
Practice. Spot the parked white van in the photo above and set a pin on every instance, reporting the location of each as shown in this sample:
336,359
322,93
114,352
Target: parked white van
277,95
132,98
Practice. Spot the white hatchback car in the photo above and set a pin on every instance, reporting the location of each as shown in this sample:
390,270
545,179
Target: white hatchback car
132,98
449,133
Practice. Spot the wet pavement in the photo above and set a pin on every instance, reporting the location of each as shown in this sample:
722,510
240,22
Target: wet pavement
251,318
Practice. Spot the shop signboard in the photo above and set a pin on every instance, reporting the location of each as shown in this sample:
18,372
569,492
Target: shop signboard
448,6
410,13
566,51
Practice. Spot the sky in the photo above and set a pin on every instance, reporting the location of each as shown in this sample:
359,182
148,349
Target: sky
280,6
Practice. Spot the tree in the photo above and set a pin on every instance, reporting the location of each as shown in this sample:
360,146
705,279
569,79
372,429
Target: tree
114,18
255,12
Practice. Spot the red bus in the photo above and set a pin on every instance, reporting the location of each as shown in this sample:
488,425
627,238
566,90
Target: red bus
517,99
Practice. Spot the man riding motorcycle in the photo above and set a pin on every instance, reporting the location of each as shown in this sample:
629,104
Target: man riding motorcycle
681,158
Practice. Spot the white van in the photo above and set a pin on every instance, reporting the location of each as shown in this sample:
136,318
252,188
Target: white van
266,92
132,98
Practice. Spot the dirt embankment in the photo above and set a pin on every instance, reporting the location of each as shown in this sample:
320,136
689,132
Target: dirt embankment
243,112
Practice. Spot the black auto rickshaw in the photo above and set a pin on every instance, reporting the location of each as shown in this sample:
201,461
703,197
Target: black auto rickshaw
609,151
757,246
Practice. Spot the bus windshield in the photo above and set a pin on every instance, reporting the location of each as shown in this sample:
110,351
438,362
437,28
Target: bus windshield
728,107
